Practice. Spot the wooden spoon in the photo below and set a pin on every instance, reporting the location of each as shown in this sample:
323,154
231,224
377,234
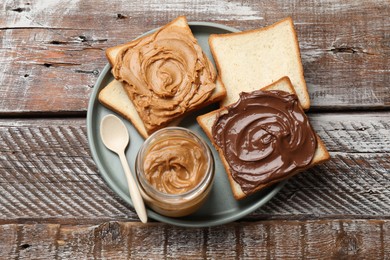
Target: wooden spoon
116,138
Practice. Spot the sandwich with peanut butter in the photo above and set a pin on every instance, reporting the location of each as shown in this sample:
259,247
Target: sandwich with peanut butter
160,77
263,138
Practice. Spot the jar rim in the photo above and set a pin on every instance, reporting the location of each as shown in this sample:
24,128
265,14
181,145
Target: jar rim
144,184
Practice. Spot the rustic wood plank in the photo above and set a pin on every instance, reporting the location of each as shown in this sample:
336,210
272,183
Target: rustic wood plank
256,239
386,239
354,239
46,235
52,53
76,242
316,239
47,173
223,242
280,243
355,132
9,244
114,242
194,246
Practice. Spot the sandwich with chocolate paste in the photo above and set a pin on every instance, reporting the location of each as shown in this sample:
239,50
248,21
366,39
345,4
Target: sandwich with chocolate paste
160,77
263,138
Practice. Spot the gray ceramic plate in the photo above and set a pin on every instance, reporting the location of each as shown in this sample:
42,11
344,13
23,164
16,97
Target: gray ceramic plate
221,207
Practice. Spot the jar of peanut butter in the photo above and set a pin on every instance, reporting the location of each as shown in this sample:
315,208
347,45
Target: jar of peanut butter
175,171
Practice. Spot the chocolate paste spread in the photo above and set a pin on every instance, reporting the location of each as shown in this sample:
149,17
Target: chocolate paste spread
175,165
264,137
166,74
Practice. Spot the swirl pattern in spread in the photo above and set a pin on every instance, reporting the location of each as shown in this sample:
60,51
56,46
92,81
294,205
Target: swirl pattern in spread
175,165
166,74
264,137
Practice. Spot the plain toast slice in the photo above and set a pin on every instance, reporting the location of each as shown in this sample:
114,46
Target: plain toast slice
250,59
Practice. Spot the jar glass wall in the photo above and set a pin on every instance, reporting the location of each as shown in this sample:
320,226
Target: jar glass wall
175,171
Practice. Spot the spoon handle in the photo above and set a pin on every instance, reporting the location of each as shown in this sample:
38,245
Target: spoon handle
135,195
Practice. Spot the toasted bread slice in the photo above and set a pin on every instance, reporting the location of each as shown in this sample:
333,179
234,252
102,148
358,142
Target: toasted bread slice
250,59
112,96
207,121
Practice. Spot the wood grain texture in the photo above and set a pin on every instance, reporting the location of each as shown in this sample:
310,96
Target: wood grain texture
53,202
319,239
47,174
51,52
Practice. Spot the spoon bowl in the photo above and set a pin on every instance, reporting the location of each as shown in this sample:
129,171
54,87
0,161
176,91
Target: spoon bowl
114,133
115,137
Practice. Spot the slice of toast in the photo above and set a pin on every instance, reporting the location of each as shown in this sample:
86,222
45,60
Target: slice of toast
207,121
112,95
250,59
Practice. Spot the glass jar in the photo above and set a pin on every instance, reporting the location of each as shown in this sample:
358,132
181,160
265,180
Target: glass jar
178,146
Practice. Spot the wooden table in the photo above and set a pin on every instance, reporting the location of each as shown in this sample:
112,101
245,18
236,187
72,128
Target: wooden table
53,202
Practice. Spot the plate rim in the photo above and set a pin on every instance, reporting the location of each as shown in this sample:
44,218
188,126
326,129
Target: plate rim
106,177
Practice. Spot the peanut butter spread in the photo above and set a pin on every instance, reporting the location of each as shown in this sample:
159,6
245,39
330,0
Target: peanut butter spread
175,165
165,74
265,136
